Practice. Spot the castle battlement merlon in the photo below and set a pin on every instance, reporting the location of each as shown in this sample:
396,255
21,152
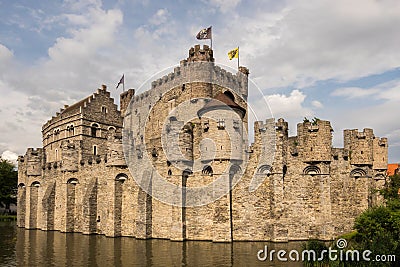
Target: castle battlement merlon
199,66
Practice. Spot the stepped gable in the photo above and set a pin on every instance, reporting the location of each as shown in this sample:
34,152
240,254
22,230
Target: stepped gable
76,106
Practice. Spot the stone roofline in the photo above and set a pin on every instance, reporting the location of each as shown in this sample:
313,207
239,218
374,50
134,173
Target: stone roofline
77,106
31,152
179,75
282,125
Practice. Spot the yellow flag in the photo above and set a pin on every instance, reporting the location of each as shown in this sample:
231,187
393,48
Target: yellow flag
233,53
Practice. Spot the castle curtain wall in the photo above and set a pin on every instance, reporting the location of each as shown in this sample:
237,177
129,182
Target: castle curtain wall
292,188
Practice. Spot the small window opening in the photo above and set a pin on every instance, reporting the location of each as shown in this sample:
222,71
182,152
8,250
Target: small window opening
94,129
221,124
207,170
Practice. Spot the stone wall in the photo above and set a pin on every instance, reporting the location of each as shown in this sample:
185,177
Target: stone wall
284,187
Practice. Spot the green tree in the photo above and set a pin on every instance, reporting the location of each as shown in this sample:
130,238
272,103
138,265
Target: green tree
8,183
378,228
391,191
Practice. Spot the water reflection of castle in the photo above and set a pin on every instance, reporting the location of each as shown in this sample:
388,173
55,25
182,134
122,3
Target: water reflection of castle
79,180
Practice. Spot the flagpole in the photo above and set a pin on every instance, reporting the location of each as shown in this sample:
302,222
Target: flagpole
211,37
238,57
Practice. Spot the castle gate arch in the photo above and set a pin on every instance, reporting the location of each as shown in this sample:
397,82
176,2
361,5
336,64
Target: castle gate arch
118,198
234,174
33,199
145,208
71,193
48,204
21,207
90,208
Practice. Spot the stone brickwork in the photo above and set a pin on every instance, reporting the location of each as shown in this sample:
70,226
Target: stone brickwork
284,187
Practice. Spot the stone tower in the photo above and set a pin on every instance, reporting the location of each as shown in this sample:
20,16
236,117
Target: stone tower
134,171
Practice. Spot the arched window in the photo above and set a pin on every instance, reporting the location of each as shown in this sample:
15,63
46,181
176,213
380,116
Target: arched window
207,170
73,181
95,129
70,130
55,134
122,177
357,173
230,95
264,169
35,184
169,172
154,153
21,185
104,110
311,170
235,169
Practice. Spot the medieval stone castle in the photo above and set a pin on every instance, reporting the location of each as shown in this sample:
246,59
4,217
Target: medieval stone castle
82,181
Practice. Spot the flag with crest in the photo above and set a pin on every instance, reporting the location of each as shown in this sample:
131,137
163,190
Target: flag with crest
204,34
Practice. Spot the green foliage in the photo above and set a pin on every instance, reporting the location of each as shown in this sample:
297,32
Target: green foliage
317,246
378,228
349,236
306,120
315,121
392,188
375,221
7,218
8,183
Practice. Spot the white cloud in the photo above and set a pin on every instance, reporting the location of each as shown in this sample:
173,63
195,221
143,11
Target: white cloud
85,42
224,6
390,90
317,104
288,106
79,5
386,91
308,41
160,17
32,93
5,54
9,155
354,92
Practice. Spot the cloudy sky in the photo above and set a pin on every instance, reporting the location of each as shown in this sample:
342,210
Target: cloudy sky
336,60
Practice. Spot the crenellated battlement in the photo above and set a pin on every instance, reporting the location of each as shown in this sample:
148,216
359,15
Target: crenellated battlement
198,54
313,143
198,67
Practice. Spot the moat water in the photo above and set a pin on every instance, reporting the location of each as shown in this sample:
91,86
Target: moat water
21,247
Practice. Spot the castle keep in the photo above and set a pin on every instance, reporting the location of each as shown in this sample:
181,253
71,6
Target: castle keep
99,169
